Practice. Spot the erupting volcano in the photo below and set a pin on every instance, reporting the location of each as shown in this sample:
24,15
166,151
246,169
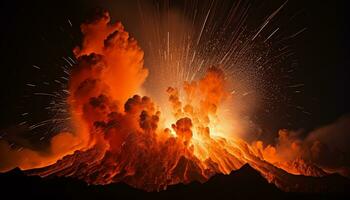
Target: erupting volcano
128,139
118,138
119,133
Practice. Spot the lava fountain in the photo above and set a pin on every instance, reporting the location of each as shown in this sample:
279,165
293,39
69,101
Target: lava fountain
128,139
121,136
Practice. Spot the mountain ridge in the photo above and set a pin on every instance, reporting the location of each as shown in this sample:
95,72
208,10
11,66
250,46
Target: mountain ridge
245,182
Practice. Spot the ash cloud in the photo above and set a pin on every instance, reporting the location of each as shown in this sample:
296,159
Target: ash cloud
108,60
324,148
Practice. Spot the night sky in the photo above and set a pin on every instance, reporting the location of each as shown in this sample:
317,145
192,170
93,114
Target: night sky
38,33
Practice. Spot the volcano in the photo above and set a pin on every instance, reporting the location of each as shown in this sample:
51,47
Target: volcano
119,135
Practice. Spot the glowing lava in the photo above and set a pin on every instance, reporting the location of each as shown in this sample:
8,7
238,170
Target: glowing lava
118,138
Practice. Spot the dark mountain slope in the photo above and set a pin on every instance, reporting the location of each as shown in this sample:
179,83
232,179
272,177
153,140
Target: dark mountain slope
245,183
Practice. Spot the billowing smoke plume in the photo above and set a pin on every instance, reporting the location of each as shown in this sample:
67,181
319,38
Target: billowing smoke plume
326,148
110,66
125,137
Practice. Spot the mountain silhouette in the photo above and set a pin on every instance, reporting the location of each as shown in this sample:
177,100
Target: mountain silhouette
245,183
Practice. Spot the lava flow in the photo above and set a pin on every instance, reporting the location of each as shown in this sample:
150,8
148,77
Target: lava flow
127,139
120,136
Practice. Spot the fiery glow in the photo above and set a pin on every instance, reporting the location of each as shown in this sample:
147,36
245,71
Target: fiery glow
120,136
129,139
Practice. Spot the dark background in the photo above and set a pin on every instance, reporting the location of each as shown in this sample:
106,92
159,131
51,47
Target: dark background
38,33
